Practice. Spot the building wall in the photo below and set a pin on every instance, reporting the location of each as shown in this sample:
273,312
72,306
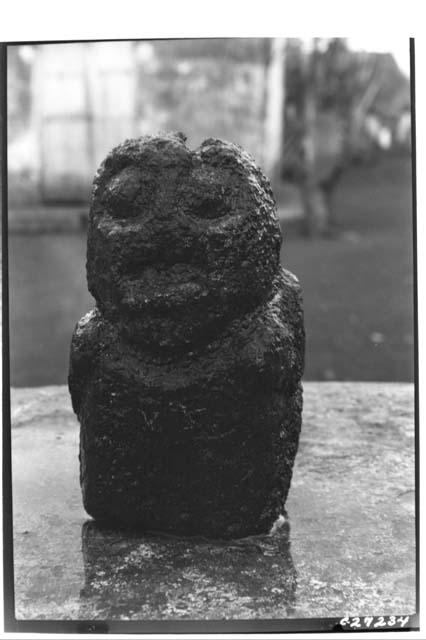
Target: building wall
88,97
84,103
202,93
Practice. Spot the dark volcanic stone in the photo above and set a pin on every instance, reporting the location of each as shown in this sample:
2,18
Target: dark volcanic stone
186,376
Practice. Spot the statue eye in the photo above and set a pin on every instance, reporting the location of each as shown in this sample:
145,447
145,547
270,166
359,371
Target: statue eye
210,208
122,191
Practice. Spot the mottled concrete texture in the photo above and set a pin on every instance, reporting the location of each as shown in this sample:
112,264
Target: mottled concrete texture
348,546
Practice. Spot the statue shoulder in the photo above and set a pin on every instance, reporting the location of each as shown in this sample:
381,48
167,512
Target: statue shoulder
85,344
86,329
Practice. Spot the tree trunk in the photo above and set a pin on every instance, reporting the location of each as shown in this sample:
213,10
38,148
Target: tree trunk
315,191
316,209
316,212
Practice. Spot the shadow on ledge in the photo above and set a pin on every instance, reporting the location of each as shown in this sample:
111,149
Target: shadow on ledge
154,576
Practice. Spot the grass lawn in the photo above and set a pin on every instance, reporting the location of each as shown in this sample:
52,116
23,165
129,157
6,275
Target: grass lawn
358,288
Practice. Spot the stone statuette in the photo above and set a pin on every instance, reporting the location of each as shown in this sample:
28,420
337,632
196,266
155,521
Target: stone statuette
186,376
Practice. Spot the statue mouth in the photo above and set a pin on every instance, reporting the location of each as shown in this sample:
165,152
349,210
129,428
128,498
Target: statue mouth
157,287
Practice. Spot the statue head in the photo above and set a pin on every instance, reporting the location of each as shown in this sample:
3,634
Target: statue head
180,242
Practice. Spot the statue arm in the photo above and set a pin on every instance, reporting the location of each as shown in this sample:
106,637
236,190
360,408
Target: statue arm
83,356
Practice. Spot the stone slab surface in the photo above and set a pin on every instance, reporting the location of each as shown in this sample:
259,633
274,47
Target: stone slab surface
347,547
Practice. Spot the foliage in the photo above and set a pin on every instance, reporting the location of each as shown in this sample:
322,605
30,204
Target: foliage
342,78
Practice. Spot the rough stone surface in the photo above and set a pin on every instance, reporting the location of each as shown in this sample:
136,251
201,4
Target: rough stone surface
350,548
186,375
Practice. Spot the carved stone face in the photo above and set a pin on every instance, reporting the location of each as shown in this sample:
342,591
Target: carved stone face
180,242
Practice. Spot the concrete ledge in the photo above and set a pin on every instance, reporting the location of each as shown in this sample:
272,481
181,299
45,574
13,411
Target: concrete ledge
347,547
38,218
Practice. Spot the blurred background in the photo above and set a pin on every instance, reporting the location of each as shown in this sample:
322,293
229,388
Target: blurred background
328,120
